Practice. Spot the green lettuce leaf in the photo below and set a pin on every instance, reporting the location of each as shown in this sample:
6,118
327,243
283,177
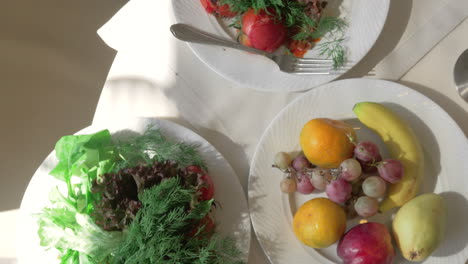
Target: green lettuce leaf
85,242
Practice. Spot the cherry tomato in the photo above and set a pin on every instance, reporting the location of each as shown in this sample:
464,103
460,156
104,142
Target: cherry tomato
205,183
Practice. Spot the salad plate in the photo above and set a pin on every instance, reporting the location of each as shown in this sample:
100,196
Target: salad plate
445,148
231,217
365,21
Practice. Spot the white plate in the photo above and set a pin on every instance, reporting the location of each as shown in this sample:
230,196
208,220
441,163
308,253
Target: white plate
445,147
232,217
365,18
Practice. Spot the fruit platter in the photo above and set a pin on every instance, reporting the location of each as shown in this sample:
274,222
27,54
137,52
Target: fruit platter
146,191
359,181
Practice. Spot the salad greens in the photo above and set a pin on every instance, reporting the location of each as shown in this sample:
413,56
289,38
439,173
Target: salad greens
167,212
159,232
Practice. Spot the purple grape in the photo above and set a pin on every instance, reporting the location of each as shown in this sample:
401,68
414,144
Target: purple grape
300,163
350,169
367,153
390,170
339,190
304,185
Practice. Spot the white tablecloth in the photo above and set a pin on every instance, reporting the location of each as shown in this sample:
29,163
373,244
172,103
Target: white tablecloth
157,75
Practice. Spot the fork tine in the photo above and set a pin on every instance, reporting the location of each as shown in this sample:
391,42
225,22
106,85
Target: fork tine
312,60
321,66
318,72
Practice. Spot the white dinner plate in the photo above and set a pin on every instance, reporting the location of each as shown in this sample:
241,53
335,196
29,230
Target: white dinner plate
365,18
232,217
446,172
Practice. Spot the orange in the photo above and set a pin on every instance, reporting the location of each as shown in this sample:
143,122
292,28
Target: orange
319,223
326,142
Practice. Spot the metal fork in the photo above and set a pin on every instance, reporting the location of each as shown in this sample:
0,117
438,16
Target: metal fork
286,63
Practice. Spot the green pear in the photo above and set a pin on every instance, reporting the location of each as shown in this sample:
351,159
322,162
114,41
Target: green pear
419,226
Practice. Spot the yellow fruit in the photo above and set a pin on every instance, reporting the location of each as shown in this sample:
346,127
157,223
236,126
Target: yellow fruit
319,223
419,226
402,144
326,142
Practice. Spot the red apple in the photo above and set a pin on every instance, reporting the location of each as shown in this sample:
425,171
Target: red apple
368,243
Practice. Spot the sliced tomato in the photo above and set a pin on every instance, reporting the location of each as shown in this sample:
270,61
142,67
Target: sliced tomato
299,47
214,7
225,11
209,6
205,183
263,30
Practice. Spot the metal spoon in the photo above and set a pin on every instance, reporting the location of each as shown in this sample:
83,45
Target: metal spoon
460,75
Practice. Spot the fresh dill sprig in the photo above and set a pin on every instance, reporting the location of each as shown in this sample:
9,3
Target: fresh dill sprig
159,231
333,49
331,30
326,25
152,146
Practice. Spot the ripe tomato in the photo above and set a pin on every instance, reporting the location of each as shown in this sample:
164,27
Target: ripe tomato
262,30
214,7
205,183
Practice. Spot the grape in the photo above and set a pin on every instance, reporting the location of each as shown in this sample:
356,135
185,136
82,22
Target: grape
350,169
339,190
366,206
304,185
319,179
300,163
390,170
282,160
374,186
366,151
288,185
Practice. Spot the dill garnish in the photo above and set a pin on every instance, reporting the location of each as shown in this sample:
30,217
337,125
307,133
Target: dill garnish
151,146
333,49
159,232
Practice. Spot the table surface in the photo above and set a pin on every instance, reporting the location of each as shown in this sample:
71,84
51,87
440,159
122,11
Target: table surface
155,75
180,87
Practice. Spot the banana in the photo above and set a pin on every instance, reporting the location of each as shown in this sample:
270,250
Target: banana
402,144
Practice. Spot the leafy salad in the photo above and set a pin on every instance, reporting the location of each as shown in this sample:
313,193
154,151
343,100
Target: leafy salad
143,200
297,24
